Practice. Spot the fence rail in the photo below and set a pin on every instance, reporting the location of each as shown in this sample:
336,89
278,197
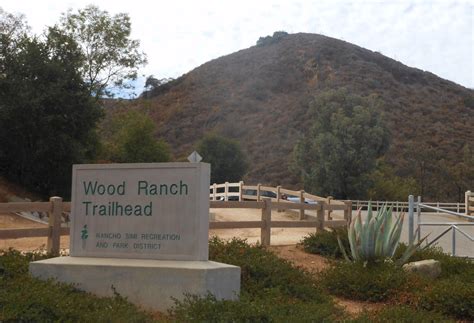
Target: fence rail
56,207
400,206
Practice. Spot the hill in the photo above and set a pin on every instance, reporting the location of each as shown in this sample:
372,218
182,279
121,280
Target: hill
260,97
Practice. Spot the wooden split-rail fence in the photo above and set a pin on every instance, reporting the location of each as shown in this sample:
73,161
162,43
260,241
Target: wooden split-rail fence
57,208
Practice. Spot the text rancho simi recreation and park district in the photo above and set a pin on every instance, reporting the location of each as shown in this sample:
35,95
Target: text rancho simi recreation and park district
141,188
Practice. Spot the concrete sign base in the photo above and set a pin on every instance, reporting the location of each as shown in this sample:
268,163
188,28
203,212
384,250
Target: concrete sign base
145,282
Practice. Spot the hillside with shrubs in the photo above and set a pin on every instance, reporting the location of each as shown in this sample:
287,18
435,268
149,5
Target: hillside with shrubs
261,96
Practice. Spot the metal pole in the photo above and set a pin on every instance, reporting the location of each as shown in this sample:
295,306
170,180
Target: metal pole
411,205
418,216
454,240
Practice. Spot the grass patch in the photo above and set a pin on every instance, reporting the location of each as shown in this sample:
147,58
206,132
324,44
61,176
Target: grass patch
325,243
23,298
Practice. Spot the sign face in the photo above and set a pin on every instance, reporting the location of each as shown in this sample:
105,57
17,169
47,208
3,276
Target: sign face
154,211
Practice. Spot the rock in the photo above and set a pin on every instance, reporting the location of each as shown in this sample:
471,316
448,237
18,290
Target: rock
429,268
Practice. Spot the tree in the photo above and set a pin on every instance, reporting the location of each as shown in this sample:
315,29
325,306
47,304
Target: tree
110,56
130,139
47,118
227,160
388,186
340,150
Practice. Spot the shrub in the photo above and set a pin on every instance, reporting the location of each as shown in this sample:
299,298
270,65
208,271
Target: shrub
401,314
262,270
23,298
377,238
228,162
373,282
271,290
269,308
453,297
325,243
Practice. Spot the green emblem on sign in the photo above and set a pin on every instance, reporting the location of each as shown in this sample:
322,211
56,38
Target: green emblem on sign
84,233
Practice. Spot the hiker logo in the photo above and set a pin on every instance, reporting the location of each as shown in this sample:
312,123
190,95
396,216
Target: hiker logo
84,235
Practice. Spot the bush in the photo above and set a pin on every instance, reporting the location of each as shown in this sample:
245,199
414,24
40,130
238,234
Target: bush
453,297
269,308
262,270
373,282
325,243
130,138
271,290
401,314
228,162
23,298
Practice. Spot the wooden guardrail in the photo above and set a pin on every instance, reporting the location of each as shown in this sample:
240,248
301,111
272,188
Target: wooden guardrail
266,223
236,192
56,207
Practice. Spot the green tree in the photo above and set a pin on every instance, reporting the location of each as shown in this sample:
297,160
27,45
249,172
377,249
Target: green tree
388,186
110,56
131,139
47,118
340,150
228,163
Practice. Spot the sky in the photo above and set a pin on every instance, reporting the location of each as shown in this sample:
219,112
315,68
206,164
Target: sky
179,35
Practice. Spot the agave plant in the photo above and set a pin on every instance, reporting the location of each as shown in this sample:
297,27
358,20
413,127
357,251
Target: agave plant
378,237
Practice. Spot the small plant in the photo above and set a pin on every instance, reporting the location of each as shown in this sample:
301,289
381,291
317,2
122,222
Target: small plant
377,238
366,282
325,243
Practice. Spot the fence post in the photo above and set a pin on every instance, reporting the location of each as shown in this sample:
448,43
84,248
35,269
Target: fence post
258,192
418,216
437,205
348,212
457,208
320,217
214,191
266,230
466,202
241,185
54,224
302,213
411,204
226,191
453,241
328,199
279,197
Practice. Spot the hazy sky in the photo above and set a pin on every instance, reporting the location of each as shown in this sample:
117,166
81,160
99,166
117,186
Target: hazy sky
178,35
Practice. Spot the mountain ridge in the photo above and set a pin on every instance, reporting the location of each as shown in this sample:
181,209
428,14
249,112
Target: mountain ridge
260,96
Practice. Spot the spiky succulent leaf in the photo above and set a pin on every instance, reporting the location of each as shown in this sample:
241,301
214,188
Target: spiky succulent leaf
395,236
352,237
343,250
